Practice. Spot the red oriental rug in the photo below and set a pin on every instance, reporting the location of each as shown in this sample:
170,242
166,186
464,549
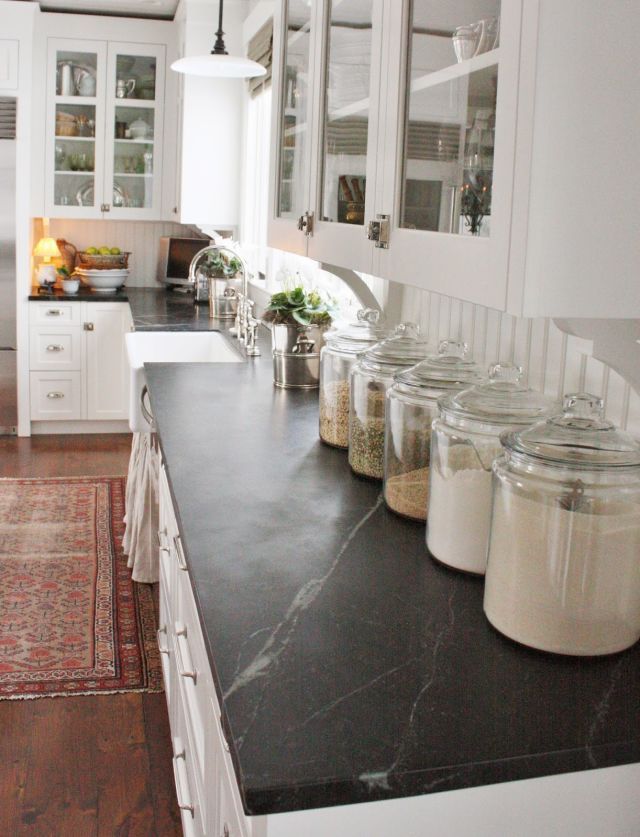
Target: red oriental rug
71,619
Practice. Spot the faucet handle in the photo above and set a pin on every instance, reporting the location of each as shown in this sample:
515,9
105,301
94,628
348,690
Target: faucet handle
252,334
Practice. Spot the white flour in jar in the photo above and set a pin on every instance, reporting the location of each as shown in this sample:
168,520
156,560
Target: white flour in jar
460,509
561,580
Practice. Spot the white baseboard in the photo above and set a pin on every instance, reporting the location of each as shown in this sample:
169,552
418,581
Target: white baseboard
41,428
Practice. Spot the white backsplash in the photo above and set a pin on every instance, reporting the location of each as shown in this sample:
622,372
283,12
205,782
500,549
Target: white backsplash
556,362
138,237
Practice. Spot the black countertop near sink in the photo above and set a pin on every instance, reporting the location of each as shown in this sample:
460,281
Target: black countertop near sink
349,665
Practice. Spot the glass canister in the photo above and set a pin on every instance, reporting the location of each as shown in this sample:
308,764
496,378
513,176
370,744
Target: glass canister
412,404
563,573
369,380
337,358
464,443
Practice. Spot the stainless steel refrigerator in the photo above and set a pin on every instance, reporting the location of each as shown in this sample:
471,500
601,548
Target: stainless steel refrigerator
8,378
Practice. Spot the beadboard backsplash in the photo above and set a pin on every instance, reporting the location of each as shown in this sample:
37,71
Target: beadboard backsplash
556,363
138,237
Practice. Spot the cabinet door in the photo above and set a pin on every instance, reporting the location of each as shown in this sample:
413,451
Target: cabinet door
345,150
449,157
75,128
107,371
134,122
294,96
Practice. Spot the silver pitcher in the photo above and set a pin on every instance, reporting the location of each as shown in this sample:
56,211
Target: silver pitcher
296,355
223,298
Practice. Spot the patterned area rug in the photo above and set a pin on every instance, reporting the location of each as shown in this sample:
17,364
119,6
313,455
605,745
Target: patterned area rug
71,620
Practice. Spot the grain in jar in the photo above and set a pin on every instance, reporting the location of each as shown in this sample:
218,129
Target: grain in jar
411,406
337,358
369,380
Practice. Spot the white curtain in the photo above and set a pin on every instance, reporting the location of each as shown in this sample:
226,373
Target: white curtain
140,540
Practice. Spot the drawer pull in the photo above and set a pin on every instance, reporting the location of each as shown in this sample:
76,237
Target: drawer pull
182,781
54,395
162,534
183,654
55,347
225,831
54,312
225,743
162,630
179,553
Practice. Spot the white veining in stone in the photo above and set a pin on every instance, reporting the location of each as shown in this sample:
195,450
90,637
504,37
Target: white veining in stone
280,637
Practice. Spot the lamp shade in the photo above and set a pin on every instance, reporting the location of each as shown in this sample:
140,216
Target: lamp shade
47,248
219,66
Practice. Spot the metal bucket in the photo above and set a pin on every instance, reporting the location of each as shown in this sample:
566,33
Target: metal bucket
223,300
296,356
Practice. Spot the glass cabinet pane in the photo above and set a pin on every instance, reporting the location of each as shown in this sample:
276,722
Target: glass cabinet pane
294,128
449,125
346,111
135,77
133,161
75,128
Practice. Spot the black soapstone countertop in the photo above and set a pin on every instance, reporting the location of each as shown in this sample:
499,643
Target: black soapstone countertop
349,665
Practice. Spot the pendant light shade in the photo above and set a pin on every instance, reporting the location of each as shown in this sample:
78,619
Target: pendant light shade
219,64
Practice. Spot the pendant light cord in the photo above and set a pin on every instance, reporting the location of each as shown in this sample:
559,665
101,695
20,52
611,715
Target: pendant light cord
219,47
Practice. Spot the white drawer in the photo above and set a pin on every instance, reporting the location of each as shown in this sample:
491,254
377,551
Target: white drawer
62,313
167,653
56,348
55,395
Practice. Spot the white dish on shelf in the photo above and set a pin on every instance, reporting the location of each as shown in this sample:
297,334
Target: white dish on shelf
103,281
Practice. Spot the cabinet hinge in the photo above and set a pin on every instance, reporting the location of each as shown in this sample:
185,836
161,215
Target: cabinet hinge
378,231
305,224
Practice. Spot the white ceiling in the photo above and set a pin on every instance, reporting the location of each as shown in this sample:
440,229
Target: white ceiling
128,8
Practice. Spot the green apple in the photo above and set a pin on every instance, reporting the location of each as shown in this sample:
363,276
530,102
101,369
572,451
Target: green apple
105,251
115,251
92,251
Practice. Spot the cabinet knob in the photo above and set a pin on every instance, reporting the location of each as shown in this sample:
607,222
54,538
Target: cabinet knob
88,327
105,207
55,347
54,395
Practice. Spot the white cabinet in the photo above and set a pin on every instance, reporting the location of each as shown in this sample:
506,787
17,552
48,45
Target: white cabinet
105,147
8,64
78,364
495,179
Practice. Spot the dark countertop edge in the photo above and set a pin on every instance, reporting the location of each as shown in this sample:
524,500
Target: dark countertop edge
84,295
377,788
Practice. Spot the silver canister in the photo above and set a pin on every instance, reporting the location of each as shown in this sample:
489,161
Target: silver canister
296,355
223,299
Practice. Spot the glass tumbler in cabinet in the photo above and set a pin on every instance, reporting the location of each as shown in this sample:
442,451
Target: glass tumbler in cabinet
465,441
369,381
563,572
337,358
411,406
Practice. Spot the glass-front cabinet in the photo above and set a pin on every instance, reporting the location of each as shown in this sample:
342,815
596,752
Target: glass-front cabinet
104,130
404,154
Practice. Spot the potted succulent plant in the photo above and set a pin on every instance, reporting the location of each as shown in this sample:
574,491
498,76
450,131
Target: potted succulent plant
70,283
298,321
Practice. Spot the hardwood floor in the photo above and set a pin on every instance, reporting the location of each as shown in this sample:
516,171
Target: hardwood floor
90,765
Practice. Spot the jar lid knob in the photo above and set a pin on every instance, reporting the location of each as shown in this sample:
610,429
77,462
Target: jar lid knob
407,330
452,348
583,405
368,315
505,372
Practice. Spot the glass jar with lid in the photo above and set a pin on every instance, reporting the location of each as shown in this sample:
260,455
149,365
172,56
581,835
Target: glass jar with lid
464,443
412,405
337,358
563,572
369,380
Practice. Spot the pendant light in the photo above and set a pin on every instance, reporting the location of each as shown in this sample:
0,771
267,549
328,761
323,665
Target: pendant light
219,64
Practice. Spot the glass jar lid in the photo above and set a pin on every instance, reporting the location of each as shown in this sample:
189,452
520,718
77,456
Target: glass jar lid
449,369
360,335
502,400
579,436
403,348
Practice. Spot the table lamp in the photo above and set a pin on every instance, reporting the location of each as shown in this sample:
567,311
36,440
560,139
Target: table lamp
46,249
